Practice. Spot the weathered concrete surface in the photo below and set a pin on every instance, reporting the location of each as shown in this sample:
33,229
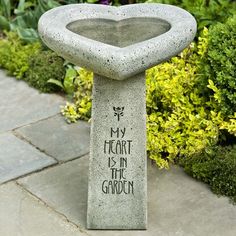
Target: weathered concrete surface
22,105
117,193
64,188
57,138
18,158
23,215
117,179
177,204
180,205
55,29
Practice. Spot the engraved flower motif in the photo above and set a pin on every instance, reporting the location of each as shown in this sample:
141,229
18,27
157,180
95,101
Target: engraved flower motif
118,111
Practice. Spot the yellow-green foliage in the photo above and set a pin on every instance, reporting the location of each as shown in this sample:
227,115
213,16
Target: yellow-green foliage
81,108
183,106
182,115
14,54
229,125
179,123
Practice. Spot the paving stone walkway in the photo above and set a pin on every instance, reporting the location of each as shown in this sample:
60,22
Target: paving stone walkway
43,178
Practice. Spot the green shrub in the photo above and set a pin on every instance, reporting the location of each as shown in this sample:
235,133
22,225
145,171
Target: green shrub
28,62
43,66
183,106
14,54
180,119
206,12
68,84
222,59
216,167
81,108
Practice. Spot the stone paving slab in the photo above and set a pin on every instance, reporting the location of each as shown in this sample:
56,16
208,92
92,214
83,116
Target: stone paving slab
57,138
22,105
178,205
18,158
64,188
23,215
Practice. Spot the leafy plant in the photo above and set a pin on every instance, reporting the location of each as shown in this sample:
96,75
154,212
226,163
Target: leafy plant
24,19
68,84
206,12
65,2
81,108
45,66
5,8
5,14
179,119
15,54
222,60
30,63
215,166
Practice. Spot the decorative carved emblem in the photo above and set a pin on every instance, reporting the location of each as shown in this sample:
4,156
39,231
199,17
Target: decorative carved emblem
118,111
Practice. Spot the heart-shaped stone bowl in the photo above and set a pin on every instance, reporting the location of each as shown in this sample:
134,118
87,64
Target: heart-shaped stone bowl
117,42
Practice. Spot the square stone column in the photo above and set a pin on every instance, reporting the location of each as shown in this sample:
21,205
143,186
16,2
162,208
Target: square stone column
117,193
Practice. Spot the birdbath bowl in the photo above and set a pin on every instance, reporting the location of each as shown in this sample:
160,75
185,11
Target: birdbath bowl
118,44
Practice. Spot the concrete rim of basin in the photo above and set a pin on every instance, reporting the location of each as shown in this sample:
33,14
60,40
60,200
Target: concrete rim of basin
109,60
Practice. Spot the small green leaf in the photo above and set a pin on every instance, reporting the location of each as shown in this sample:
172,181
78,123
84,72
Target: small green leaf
4,23
69,84
56,82
28,35
21,8
70,72
6,6
91,1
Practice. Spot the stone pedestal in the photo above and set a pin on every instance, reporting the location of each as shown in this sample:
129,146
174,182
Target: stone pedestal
117,42
117,194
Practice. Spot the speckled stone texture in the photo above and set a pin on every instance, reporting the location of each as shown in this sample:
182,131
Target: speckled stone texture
61,35
118,44
117,195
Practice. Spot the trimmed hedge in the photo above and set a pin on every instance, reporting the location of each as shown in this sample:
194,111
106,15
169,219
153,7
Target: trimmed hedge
15,54
31,63
43,66
215,166
222,59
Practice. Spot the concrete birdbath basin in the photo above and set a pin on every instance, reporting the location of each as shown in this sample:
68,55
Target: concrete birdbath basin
118,44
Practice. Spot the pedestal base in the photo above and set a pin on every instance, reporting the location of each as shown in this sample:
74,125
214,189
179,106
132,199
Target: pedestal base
117,193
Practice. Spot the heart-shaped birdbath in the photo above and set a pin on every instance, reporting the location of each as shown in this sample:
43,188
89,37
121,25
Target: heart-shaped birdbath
118,44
